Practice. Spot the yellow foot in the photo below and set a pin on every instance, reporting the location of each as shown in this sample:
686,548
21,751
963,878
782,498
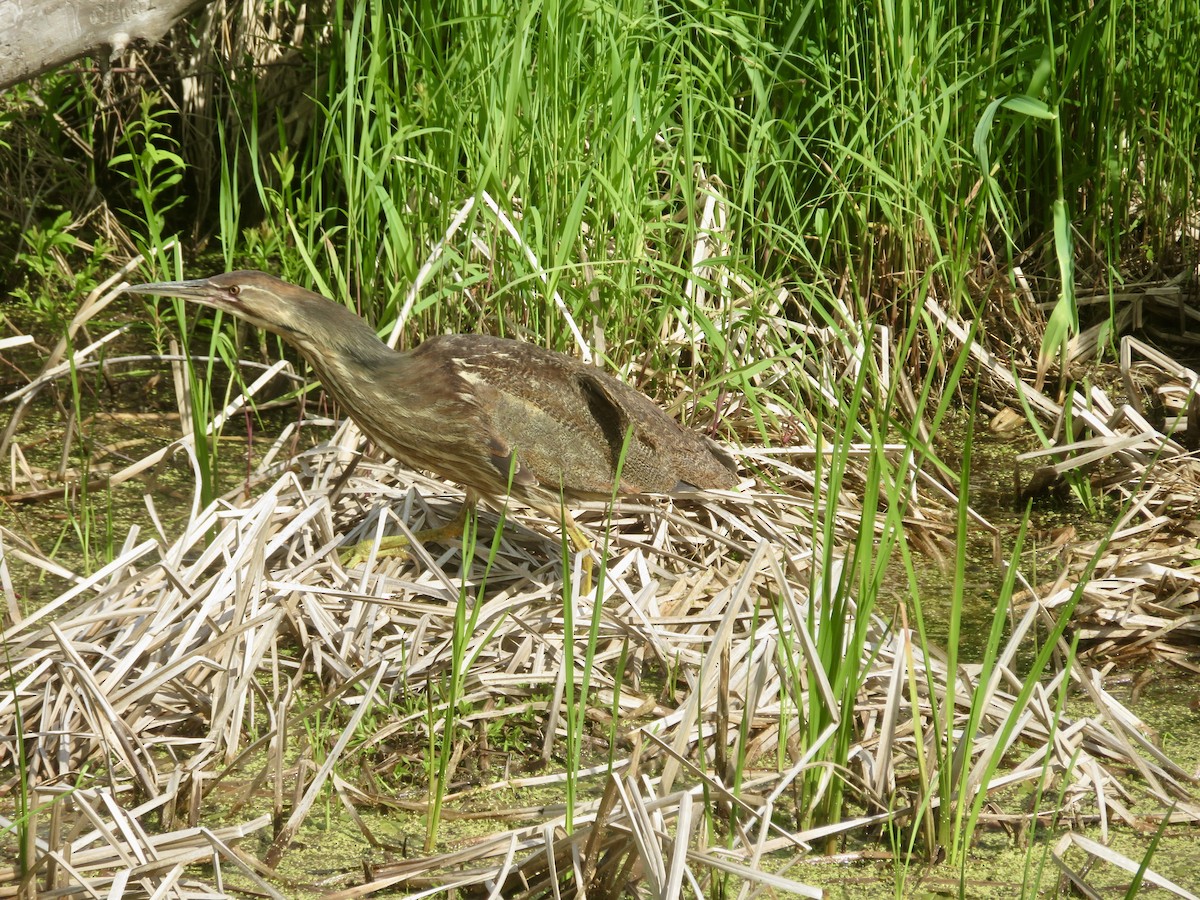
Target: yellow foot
398,544
392,545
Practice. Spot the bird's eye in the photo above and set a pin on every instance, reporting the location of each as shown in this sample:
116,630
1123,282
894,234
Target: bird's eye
235,289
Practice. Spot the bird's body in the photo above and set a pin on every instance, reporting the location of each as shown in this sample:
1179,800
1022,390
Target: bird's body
497,416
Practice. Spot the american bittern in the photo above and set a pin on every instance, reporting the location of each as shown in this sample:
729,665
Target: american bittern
494,415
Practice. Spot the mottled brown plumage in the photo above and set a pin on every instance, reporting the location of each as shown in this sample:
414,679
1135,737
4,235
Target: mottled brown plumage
475,409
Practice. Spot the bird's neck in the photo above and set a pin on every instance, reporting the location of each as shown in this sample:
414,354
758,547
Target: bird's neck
340,335
347,356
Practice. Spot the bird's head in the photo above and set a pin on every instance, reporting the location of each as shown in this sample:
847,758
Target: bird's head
258,298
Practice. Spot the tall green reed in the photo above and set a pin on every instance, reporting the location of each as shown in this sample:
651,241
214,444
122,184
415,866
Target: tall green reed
868,155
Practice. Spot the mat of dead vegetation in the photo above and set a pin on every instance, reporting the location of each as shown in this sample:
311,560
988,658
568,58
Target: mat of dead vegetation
190,662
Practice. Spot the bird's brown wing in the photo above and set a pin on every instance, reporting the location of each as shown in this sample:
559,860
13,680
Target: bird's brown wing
661,454
503,458
564,423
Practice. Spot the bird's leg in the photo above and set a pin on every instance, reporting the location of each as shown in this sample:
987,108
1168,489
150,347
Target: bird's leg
398,544
452,530
582,545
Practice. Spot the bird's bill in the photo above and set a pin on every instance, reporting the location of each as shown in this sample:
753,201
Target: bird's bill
200,290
